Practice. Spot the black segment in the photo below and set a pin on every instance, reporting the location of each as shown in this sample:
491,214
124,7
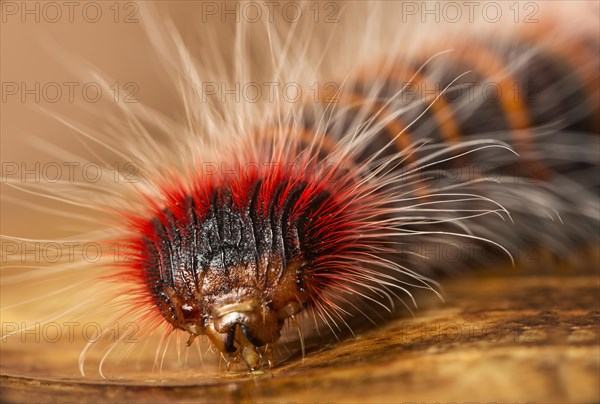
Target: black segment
183,252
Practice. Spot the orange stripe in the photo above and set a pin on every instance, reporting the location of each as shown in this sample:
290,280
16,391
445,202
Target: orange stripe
395,129
576,54
401,137
378,111
489,65
440,108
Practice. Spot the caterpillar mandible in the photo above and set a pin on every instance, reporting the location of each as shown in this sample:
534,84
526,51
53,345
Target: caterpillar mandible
252,217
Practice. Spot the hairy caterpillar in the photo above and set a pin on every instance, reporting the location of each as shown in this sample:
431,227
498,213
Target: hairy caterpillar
391,187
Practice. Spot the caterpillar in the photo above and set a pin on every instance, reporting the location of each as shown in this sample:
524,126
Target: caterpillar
246,219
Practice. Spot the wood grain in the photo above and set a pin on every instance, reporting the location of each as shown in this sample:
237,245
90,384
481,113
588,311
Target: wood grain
497,338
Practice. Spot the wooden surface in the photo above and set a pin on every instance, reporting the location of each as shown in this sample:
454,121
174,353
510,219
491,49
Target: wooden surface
497,338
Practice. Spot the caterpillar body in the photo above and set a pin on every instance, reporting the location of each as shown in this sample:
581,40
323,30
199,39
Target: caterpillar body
235,259
322,208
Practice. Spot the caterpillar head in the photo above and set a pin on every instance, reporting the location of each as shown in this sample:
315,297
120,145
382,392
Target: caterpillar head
233,262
